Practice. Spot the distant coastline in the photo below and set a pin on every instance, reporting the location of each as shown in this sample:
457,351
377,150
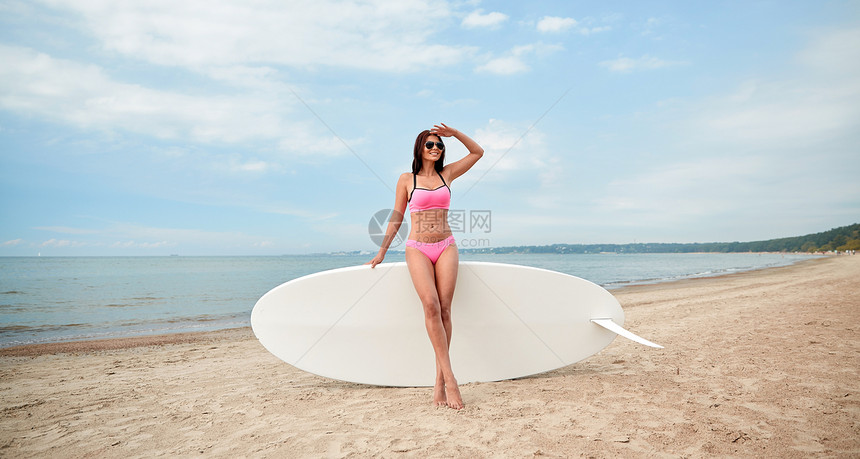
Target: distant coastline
845,238
842,239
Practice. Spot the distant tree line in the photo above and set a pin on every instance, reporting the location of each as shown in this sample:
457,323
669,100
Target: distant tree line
843,238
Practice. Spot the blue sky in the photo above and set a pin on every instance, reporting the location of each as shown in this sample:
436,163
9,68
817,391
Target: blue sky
280,127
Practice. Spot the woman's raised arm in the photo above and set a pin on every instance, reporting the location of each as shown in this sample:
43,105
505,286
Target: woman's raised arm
460,167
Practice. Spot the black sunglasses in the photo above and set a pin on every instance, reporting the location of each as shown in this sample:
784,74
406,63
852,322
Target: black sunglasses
430,144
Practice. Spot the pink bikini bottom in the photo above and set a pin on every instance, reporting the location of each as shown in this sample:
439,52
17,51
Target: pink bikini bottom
431,249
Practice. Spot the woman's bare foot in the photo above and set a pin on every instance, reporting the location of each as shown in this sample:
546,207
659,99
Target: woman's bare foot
452,394
439,396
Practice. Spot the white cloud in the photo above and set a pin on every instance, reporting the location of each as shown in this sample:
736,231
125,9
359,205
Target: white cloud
374,35
247,47
651,27
646,62
503,144
684,189
555,24
811,116
65,230
260,78
476,19
141,245
62,243
514,61
833,53
236,164
507,65
819,102
540,49
754,188
517,155
593,30
778,147
128,238
118,235
12,243
85,96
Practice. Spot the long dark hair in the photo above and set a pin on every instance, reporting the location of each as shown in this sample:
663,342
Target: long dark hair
417,154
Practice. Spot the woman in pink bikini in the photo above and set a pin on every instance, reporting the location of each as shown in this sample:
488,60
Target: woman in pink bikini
431,253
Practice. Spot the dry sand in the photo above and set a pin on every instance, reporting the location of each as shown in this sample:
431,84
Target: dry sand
756,364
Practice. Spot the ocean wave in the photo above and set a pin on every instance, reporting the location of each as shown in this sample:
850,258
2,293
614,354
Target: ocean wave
21,335
692,275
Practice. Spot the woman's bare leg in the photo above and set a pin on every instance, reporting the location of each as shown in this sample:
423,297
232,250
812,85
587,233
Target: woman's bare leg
446,280
423,276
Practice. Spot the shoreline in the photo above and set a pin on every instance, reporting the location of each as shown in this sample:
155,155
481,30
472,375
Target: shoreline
91,345
110,344
119,342
694,280
758,363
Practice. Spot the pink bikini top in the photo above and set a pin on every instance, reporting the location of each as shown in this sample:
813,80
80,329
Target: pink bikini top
424,199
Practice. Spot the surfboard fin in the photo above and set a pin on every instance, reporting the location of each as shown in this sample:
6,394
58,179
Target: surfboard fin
618,329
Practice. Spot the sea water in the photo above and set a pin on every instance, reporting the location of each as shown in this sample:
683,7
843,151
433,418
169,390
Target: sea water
46,299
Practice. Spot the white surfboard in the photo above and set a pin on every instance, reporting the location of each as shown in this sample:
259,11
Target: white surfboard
366,325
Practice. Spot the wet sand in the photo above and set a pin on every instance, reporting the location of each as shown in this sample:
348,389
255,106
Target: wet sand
764,363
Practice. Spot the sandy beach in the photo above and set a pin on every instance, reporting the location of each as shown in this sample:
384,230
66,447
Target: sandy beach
764,364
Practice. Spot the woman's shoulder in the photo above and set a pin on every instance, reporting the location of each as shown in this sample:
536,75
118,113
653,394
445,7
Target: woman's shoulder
405,179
